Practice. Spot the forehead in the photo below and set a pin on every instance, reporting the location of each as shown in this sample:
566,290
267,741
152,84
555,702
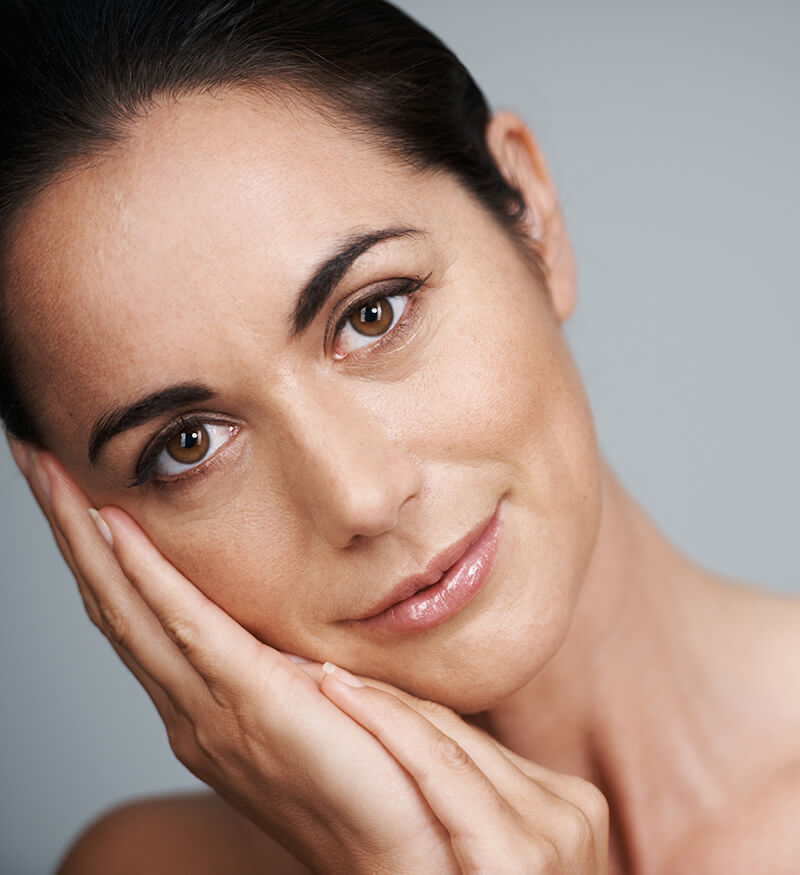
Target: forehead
206,202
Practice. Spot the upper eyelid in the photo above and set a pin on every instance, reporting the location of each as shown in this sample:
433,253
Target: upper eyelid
156,443
406,322
367,293
360,303
327,279
405,285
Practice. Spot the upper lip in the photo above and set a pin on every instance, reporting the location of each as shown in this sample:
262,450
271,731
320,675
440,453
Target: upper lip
433,572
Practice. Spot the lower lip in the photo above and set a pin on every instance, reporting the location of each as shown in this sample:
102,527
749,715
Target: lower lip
437,603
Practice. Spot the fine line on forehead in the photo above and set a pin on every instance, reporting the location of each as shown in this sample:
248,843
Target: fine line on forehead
310,301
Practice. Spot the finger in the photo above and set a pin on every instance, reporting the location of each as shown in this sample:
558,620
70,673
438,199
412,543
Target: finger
530,788
190,647
225,654
493,758
21,454
501,765
444,772
87,596
487,833
165,706
40,487
123,617
39,484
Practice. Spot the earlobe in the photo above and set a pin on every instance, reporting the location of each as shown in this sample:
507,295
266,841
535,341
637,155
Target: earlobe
518,157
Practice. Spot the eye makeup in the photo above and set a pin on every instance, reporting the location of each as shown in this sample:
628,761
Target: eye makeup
195,424
406,286
148,460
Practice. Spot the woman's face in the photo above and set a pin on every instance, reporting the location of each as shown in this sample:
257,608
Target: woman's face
341,455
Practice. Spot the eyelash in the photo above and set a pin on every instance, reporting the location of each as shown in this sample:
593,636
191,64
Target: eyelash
406,286
149,457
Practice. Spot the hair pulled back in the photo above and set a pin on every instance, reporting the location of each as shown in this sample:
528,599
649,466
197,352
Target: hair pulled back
75,73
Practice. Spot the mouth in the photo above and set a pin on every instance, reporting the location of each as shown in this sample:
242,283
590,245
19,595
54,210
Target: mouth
451,579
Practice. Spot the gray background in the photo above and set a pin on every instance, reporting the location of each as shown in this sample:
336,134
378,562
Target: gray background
673,134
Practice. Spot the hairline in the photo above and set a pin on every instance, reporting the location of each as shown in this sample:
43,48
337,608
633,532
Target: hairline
291,89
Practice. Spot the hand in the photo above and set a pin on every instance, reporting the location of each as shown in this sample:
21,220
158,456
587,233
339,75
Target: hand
238,714
360,779
502,812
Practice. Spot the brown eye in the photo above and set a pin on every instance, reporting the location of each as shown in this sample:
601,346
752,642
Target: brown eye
373,318
368,322
189,445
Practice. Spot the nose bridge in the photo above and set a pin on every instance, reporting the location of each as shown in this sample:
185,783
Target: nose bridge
346,470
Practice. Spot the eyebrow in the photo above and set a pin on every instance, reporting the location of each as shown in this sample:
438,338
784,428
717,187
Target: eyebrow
310,301
328,275
156,404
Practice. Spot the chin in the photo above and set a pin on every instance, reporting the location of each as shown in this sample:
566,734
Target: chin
489,666
466,694
511,629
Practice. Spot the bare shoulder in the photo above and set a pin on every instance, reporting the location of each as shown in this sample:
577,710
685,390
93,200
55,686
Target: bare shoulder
195,833
757,826
761,835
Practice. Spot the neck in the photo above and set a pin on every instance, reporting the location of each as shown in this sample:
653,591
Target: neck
631,701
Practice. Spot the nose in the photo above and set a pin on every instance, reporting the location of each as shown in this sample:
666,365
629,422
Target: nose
350,475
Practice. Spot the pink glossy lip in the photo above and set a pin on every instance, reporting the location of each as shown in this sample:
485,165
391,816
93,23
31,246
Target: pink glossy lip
451,579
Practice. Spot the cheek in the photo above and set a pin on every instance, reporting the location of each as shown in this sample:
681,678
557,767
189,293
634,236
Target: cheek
502,386
243,555
510,415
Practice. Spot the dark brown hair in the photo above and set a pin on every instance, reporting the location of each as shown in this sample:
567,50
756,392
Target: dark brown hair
75,73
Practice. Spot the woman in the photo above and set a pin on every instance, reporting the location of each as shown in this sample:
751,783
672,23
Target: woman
386,409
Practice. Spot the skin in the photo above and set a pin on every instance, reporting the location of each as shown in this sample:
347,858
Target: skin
340,468
379,460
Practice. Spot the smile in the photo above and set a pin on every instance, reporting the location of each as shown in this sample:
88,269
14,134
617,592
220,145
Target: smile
451,580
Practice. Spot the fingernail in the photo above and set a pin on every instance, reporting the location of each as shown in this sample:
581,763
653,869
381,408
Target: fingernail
21,455
344,676
102,526
40,475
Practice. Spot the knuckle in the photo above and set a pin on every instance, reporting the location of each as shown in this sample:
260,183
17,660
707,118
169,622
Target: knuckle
544,857
591,801
449,752
595,805
205,740
113,624
579,834
178,742
221,735
194,745
181,632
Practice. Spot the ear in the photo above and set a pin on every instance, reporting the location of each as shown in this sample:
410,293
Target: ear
521,162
